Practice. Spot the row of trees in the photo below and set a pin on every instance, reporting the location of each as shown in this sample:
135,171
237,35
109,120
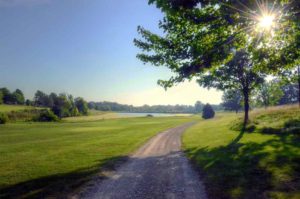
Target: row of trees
7,97
62,105
113,106
223,44
272,93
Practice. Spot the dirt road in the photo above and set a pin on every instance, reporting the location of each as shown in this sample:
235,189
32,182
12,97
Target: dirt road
157,170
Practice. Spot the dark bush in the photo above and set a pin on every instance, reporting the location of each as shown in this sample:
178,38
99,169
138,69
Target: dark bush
46,116
292,123
270,130
149,115
292,126
3,118
208,112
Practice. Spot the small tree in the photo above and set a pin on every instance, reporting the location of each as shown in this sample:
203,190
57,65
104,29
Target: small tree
3,118
290,94
292,76
1,97
8,97
62,106
232,100
208,112
81,105
18,97
40,98
268,94
198,107
92,105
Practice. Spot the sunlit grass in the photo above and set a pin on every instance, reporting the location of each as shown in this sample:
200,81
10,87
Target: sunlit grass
49,158
257,166
8,108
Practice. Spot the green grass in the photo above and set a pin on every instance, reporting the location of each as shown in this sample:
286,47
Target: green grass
8,108
247,165
50,158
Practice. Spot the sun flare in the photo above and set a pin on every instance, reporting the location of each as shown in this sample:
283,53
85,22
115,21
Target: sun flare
266,22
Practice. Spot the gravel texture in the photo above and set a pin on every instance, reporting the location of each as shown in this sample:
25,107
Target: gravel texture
157,170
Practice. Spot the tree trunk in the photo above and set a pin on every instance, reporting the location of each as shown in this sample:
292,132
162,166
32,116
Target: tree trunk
299,86
246,106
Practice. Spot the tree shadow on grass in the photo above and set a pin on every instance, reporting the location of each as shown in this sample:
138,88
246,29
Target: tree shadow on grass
250,170
59,185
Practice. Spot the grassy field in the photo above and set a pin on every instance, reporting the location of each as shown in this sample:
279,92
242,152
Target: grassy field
41,159
7,108
262,164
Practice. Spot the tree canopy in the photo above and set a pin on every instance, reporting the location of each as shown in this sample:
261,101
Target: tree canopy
16,97
205,38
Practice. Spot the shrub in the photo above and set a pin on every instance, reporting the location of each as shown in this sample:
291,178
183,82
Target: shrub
3,118
46,116
149,115
292,123
292,126
23,115
208,112
270,130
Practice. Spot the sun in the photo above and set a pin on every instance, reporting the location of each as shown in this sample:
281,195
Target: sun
266,22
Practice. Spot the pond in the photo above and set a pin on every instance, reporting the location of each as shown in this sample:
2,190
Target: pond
121,114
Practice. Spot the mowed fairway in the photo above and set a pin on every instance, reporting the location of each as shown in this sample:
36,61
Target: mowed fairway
261,164
53,158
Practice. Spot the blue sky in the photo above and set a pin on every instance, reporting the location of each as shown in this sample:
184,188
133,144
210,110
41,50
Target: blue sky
85,48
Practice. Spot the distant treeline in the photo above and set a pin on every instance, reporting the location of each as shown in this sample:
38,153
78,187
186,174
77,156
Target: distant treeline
113,106
62,105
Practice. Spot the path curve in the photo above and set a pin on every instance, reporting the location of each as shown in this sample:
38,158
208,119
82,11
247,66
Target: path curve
157,170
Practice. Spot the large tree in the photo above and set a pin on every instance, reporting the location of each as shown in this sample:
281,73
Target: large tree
238,74
199,35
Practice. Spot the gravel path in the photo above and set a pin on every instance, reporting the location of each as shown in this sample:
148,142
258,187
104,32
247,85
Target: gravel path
157,170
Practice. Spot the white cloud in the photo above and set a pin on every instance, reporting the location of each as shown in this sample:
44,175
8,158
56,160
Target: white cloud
4,3
185,93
